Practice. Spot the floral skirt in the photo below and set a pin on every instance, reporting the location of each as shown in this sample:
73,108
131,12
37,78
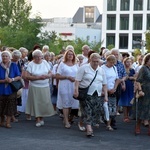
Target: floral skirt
90,109
8,104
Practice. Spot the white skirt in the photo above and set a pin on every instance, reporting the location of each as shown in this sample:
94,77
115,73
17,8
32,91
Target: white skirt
38,102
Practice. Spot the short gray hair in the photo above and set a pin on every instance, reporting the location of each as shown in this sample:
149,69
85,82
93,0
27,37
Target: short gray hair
36,52
70,47
45,47
16,53
114,50
6,52
23,49
95,55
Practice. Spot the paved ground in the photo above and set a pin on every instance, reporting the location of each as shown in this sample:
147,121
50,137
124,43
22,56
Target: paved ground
53,136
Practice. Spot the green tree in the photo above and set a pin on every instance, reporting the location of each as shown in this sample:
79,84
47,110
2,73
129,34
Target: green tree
147,34
16,28
110,46
14,12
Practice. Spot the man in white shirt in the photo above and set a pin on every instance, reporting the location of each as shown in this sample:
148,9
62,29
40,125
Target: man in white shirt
85,51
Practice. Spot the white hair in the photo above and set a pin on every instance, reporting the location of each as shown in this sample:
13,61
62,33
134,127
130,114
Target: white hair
16,53
6,52
23,49
70,47
36,52
45,47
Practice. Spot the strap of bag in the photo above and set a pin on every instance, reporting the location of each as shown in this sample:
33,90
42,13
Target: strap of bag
93,78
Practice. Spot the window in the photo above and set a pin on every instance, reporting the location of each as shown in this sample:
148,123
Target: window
123,41
111,22
148,4
124,22
148,22
136,41
124,5
137,22
89,14
111,5
110,39
138,4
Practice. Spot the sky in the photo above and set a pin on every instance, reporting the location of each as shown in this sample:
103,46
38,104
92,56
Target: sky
61,8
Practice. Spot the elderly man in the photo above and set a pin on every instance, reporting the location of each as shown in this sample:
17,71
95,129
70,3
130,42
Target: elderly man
122,76
85,51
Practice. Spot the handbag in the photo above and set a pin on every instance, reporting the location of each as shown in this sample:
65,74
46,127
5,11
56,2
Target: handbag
83,91
16,85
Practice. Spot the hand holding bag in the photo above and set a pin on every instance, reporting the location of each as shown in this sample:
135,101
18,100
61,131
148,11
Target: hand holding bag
16,85
83,91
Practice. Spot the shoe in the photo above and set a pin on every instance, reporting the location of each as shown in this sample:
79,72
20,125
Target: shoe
28,118
137,130
61,115
81,128
14,120
96,125
67,126
118,114
89,133
42,123
8,126
109,128
38,124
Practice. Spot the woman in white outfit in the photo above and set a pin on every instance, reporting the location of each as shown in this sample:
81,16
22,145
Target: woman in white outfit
38,103
66,73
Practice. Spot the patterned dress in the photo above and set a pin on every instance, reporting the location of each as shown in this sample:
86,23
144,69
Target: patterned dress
127,95
144,102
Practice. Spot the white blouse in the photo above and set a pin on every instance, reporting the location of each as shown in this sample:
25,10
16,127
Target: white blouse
86,74
38,70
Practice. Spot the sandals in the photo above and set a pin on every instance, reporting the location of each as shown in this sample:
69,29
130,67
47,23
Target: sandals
8,126
81,128
89,134
109,128
67,126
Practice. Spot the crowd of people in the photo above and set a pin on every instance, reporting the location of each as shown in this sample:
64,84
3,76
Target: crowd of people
52,82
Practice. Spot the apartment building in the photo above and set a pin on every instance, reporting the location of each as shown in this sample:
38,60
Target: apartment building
85,24
124,23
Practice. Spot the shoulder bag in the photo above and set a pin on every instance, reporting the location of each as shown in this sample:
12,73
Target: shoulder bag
83,91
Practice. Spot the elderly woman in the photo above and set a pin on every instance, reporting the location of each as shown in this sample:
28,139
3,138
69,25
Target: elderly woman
45,49
144,102
16,55
128,93
90,106
8,72
24,53
38,102
112,83
66,73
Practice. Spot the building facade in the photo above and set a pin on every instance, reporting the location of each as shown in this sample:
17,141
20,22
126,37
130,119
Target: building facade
124,23
85,24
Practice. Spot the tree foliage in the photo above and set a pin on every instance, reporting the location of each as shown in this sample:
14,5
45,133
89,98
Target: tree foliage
16,28
147,34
